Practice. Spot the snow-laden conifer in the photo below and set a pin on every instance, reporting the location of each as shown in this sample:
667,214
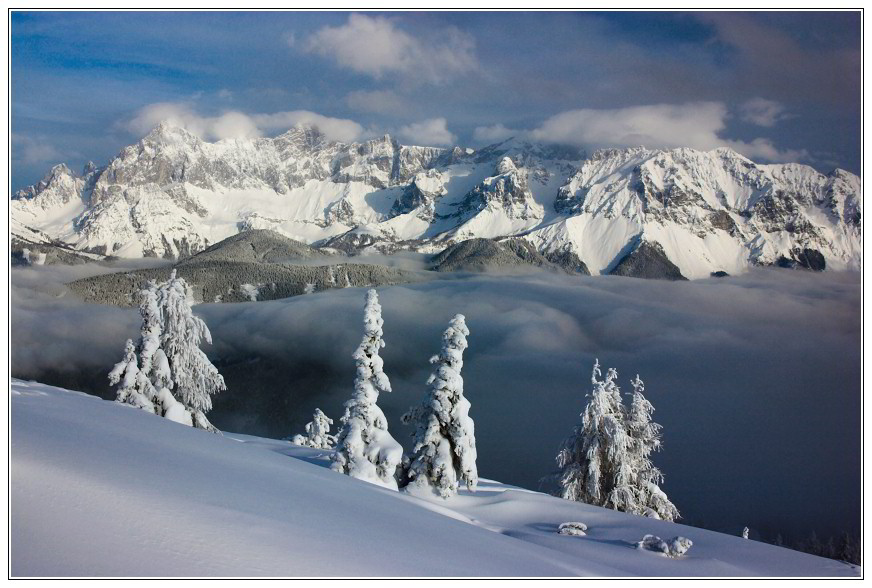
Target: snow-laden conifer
133,386
193,377
317,432
142,385
444,453
364,448
594,461
644,435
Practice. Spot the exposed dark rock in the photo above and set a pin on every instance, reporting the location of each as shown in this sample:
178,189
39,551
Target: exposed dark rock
351,242
720,274
648,261
568,260
810,259
721,219
486,254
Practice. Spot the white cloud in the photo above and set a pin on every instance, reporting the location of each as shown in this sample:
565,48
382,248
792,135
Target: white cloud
234,124
762,112
494,133
659,125
33,150
225,94
375,46
378,101
337,129
428,132
764,149
698,125
230,124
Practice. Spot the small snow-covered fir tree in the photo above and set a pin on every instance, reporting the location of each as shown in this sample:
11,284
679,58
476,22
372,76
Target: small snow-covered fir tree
193,377
317,433
153,361
133,386
364,448
444,452
594,462
142,388
644,437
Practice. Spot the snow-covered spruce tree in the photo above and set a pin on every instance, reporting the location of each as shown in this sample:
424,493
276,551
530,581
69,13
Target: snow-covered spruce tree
152,357
147,374
193,377
317,433
133,387
444,452
644,437
364,448
594,462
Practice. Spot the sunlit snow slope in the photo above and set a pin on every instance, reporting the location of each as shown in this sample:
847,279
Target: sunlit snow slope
100,488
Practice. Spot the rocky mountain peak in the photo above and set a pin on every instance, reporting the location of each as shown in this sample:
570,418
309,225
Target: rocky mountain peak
303,137
506,166
168,133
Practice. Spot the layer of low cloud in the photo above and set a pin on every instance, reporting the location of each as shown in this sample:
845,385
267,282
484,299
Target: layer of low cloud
699,125
734,367
377,47
233,124
428,132
494,133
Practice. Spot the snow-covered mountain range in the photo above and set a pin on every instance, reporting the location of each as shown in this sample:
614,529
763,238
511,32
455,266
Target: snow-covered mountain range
173,194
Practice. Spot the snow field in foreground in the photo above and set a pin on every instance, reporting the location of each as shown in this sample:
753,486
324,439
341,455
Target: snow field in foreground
103,489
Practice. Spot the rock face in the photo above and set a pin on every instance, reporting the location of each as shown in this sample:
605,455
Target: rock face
506,191
804,259
647,261
479,255
172,195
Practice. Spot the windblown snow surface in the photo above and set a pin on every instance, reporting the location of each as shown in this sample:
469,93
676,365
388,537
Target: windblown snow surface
103,489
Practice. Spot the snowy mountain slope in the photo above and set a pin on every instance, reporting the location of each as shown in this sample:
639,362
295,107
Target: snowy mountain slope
102,489
173,194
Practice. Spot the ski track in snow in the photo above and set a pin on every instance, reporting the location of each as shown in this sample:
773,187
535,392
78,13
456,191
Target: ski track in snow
103,489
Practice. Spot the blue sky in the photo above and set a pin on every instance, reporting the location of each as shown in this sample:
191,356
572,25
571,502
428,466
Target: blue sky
774,86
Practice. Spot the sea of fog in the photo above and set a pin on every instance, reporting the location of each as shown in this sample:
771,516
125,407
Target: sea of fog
755,379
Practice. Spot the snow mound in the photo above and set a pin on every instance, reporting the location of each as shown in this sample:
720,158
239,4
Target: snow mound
573,529
675,547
